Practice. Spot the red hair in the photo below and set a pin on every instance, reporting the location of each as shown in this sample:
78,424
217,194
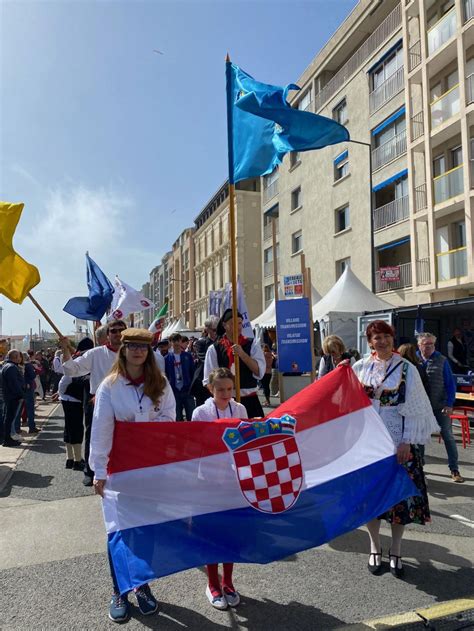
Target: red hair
379,326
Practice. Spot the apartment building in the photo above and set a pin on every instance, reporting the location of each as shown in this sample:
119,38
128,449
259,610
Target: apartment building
395,203
212,247
159,282
181,278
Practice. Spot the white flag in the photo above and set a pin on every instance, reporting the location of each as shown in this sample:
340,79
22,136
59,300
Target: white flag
247,330
126,300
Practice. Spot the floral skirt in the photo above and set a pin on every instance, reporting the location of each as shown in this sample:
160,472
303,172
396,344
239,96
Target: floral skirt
413,510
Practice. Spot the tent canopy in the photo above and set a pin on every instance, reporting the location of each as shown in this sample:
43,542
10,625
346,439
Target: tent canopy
267,319
348,295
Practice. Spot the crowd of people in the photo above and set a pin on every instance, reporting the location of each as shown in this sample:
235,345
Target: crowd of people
125,377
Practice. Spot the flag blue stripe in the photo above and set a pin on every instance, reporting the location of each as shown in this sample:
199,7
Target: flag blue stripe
248,536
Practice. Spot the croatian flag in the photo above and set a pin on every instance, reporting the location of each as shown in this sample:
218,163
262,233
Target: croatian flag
180,495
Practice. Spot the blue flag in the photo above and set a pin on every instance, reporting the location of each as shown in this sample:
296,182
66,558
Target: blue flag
263,127
100,295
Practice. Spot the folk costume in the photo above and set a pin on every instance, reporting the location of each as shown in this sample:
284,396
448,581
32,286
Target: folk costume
398,395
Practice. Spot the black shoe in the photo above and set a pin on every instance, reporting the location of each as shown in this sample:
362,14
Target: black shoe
396,571
9,442
69,463
35,430
87,480
375,569
79,466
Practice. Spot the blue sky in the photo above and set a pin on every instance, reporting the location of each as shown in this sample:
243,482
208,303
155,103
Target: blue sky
114,148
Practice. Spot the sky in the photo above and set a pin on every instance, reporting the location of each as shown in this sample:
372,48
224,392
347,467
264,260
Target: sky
113,148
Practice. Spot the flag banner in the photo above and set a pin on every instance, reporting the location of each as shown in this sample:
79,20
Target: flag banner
215,302
126,300
226,303
17,276
265,127
181,495
157,325
100,295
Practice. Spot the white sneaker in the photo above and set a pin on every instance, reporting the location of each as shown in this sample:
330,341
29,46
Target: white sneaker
219,602
232,598
17,437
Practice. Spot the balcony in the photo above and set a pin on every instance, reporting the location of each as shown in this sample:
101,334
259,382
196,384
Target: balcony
445,107
423,271
267,229
391,213
404,281
414,56
452,264
468,10
470,88
390,150
417,128
443,30
391,23
268,268
387,90
448,184
421,200
270,191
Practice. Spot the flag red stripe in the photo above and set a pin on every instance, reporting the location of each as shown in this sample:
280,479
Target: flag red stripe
138,445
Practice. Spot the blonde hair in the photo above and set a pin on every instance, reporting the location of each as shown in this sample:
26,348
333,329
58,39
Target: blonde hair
333,344
155,382
220,373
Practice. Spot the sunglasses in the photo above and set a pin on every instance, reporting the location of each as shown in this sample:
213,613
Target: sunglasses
116,330
135,346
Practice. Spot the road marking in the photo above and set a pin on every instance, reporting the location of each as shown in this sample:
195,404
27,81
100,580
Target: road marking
463,520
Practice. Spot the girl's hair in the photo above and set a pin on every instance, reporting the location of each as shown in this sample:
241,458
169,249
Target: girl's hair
379,326
333,344
220,373
408,351
155,382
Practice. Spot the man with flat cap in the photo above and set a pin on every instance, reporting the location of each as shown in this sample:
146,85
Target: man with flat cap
225,352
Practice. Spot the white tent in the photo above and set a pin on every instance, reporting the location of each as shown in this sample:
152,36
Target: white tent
338,310
267,319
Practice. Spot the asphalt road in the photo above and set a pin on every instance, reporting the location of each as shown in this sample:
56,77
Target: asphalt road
53,568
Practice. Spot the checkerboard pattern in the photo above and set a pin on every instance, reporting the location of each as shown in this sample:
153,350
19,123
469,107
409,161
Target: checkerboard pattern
270,476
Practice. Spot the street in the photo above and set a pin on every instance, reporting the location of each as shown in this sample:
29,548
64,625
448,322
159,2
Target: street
54,575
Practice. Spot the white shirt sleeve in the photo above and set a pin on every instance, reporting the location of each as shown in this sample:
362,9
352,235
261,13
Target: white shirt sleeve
160,360
450,353
63,384
256,353
168,404
199,414
210,363
80,366
102,430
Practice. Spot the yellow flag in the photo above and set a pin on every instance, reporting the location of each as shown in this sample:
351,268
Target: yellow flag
17,277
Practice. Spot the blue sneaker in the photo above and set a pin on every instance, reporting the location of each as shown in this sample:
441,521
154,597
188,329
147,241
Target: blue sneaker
119,610
147,603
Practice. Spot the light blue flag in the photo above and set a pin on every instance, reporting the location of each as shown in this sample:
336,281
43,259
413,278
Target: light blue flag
100,295
263,127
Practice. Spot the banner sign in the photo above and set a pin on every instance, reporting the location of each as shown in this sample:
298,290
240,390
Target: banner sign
294,335
215,303
293,285
390,274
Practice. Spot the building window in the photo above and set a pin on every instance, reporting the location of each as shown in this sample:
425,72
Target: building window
341,265
386,68
268,294
268,255
341,169
342,218
296,199
295,158
296,242
306,100
339,113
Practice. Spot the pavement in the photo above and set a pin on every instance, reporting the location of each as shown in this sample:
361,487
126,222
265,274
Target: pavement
53,566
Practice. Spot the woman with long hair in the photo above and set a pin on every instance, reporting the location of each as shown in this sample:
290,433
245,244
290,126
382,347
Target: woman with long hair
135,390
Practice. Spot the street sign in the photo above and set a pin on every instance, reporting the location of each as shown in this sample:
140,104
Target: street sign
294,336
293,285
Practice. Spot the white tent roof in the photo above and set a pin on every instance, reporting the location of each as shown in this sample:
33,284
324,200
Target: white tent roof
348,295
267,319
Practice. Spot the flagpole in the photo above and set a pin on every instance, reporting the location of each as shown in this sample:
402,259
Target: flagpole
232,226
45,315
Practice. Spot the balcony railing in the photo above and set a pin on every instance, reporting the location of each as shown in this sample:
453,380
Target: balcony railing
448,184
391,213
468,10
421,200
270,191
390,150
268,268
414,56
443,30
417,129
387,90
470,88
391,23
452,264
445,106
423,271
267,229
405,280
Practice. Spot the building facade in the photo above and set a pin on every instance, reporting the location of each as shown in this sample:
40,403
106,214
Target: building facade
212,247
181,278
395,203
